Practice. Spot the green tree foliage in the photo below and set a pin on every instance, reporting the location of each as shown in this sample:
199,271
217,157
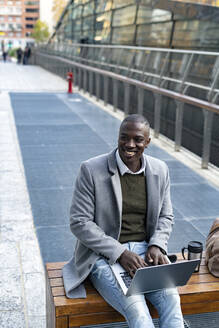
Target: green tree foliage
40,31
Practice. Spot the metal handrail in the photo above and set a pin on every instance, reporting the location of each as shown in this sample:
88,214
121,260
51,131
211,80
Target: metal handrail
198,52
208,107
212,89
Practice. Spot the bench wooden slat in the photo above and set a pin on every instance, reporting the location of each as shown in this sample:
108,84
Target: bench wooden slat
62,322
90,304
201,278
55,273
202,307
201,294
90,319
199,288
54,265
56,282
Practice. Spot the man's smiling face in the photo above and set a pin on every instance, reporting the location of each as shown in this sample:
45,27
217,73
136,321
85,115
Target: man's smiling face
133,139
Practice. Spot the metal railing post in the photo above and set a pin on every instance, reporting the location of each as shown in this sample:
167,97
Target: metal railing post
157,111
75,75
126,98
105,89
140,100
97,87
85,80
178,125
208,120
115,94
79,78
91,83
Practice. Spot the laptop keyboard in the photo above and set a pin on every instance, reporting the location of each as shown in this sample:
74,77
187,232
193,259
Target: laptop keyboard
126,278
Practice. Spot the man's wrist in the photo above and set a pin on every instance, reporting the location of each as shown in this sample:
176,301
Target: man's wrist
161,249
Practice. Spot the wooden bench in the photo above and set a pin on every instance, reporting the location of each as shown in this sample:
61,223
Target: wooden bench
201,294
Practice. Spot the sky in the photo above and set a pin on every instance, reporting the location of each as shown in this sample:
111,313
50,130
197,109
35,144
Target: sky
46,13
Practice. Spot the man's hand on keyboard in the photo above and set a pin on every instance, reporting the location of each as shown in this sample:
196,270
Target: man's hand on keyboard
154,256
131,262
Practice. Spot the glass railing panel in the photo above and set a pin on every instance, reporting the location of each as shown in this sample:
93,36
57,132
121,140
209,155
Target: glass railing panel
202,70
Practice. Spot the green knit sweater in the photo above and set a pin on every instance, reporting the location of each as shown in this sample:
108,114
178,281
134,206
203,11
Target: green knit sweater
134,207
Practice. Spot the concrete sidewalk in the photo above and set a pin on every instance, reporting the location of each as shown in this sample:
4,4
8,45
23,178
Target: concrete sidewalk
22,300
44,135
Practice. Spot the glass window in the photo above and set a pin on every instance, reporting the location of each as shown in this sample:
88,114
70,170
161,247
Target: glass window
122,3
88,9
10,3
88,23
31,3
18,19
146,15
154,35
87,36
17,10
1,18
103,26
103,5
123,35
77,25
32,10
29,25
18,34
76,12
124,16
10,19
102,35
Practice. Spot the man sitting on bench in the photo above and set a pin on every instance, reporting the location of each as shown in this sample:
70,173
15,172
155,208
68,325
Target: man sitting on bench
121,211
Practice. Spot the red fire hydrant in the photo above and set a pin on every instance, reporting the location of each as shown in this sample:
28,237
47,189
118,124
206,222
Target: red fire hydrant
70,79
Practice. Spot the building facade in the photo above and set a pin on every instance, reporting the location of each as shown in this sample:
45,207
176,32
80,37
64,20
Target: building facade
152,23
17,19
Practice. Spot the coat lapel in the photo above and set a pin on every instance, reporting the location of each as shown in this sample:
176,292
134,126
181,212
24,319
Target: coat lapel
152,182
115,180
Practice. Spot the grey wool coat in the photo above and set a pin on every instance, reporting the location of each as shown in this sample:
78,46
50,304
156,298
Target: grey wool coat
96,212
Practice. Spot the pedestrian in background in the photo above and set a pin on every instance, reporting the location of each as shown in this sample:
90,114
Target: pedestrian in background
5,55
19,55
27,54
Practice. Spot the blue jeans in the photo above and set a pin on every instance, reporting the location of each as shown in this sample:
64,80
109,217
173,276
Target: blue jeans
134,308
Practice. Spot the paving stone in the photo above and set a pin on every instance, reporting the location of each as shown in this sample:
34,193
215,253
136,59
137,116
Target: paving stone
12,319
10,180
9,166
11,214
17,231
9,256
10,290
8,151
39,322
30,257
34,286
16,194
4,117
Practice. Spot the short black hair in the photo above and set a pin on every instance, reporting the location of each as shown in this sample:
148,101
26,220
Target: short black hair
136,118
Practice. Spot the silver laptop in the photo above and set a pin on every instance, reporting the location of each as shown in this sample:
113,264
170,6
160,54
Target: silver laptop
154,278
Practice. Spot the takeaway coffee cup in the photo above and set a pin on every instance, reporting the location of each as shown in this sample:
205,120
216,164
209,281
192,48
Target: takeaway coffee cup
194,250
